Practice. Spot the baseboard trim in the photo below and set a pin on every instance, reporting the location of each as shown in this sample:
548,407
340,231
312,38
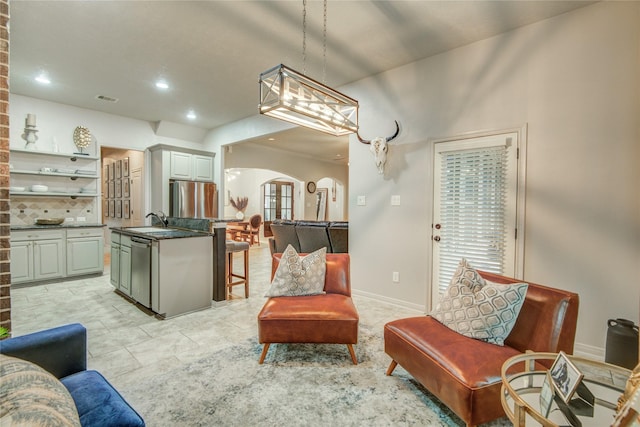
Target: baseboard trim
589,351
399,303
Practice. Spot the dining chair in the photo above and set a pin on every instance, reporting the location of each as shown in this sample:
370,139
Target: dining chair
251,233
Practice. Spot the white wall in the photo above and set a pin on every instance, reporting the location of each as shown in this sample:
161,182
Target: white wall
301,168
58,121
248,182
573,80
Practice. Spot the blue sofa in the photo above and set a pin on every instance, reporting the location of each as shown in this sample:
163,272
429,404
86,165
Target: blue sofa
62,351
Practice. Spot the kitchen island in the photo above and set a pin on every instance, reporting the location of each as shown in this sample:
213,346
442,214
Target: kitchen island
167,270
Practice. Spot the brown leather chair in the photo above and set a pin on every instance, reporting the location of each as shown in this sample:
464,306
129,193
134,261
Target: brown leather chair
330,318
464,373
251,234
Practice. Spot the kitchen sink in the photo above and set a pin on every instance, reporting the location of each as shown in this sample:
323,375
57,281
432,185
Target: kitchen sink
148,229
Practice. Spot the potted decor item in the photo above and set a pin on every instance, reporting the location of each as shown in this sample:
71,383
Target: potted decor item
240,204
82,139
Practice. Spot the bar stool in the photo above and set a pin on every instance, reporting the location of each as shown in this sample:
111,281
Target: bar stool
232,279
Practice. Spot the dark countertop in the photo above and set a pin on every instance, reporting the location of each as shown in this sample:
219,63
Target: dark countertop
168,233
53,227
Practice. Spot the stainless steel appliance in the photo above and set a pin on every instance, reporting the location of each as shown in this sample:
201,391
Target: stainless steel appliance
193,199
141,270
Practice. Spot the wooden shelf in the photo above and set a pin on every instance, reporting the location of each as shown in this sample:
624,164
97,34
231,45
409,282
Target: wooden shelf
52,193
71,156
73,176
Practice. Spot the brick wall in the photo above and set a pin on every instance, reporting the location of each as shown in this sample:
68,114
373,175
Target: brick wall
5,270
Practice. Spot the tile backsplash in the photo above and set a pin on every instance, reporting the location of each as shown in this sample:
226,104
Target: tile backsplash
25,210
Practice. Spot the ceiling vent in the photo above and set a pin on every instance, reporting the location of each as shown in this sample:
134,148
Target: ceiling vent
106,98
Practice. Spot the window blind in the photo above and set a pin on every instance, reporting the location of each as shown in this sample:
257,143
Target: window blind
472,210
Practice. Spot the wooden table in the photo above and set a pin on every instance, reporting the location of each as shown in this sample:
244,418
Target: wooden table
235,229
520,394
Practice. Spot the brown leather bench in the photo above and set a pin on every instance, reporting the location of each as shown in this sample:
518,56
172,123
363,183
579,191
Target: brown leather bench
464,373
330,318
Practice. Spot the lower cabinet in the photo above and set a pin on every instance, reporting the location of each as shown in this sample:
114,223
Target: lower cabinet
115,263
51,254
85,251
37,255
125,265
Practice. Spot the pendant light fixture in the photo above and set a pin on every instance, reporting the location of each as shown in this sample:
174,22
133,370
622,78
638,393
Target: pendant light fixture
291,96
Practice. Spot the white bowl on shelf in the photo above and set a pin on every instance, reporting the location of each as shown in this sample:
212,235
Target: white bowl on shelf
38,188
17,189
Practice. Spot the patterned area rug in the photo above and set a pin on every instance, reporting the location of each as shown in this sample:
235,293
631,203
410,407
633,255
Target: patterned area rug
298,385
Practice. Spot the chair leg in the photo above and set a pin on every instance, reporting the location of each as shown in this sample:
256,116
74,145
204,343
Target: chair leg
228,272
264,353
391,367
246,274
352,353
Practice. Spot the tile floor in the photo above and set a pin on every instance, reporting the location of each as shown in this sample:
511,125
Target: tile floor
126,344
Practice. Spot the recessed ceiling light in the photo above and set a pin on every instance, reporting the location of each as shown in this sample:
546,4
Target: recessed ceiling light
191,115
271,139
162,84
43,79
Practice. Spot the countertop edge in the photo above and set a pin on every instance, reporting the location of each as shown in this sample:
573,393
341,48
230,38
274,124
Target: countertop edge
55,227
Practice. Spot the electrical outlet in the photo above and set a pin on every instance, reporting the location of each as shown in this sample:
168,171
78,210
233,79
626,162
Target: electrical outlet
395,276
81,219
395,200
361,201
68,219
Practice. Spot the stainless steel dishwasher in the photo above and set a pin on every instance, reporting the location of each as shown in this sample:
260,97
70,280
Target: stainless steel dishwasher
141,270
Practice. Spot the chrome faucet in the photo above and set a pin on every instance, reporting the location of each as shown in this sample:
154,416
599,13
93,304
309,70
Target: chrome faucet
160,216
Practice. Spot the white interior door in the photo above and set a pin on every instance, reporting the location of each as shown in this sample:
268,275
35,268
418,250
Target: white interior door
475,201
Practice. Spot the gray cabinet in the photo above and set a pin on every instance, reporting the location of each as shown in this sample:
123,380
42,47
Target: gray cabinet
21,262
187,166
37,255
85,251
115,264
121,262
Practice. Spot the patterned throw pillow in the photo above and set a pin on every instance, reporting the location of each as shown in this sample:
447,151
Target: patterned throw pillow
468,276
298,275
486,312
32,396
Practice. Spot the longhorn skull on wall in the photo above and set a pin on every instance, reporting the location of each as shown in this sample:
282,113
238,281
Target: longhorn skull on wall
379,148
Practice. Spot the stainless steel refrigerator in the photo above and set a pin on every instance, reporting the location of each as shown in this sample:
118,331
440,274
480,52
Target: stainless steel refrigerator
193,199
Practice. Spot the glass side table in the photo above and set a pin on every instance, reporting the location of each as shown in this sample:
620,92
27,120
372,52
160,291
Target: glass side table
522,378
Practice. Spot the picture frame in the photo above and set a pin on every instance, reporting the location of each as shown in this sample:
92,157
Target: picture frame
106,173
112,189
565,376
546,395
125,167
105,207
112,171
126,209
118,188
112,208
118,208
125,188
118,169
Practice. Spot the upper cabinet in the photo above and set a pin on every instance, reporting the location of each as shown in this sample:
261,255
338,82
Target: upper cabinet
170,162
193,167
39,173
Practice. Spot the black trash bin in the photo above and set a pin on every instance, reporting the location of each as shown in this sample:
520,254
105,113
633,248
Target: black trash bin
622,343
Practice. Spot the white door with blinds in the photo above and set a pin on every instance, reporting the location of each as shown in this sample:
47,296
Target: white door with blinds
475,197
